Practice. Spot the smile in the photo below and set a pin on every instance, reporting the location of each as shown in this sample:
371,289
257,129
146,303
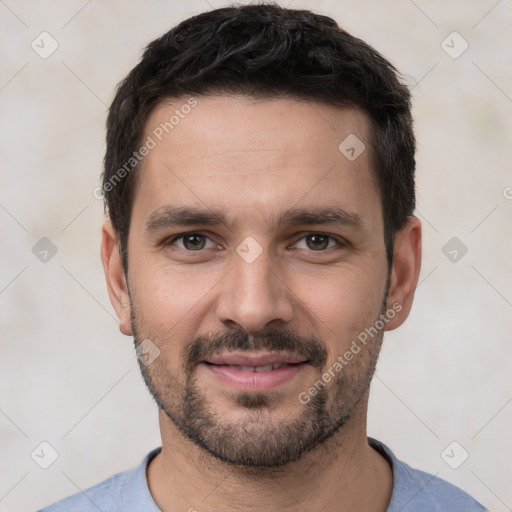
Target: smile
254,371
258,369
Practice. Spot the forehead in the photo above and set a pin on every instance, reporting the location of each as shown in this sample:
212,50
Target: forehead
255,155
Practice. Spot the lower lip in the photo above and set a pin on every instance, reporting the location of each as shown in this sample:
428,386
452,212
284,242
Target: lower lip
255,381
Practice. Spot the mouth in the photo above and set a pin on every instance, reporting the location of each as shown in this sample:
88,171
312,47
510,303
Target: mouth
255,371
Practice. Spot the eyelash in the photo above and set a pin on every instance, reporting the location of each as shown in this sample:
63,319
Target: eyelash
170,241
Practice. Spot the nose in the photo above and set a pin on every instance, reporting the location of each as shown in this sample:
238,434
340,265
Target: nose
253,296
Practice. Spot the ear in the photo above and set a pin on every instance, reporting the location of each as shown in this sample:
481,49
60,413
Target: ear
116,280
405,272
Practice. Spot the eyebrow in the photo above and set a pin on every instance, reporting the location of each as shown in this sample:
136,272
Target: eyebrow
173,216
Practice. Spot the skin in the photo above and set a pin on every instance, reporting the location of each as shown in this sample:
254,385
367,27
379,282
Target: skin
253,159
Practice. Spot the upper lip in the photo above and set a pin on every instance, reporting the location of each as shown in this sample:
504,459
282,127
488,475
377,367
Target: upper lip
256,358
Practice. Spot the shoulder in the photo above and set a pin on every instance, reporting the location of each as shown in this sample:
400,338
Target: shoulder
103,496
418,491
111,495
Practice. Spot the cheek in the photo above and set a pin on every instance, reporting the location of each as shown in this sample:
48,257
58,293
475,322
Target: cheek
170,298
341,304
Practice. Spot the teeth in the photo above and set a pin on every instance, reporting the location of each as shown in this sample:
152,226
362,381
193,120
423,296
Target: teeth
261,369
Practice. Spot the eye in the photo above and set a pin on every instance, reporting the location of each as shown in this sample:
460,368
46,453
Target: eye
317,242
195,242
191,242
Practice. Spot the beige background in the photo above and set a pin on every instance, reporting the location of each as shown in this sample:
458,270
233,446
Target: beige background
70,378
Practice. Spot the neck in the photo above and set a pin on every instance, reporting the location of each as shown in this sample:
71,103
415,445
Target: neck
344,473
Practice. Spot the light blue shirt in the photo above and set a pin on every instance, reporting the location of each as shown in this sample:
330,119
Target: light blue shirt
413,491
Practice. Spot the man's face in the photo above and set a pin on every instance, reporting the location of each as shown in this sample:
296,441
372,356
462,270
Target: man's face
265,277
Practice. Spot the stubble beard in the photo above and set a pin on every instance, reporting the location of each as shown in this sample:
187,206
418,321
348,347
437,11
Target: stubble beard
257,442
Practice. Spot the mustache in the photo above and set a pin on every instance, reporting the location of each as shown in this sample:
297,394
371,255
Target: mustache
274,341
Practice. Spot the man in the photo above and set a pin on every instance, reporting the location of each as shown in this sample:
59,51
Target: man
259,181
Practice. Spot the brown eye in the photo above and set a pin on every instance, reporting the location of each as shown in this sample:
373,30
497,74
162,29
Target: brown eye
320,242
317,242
192,242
